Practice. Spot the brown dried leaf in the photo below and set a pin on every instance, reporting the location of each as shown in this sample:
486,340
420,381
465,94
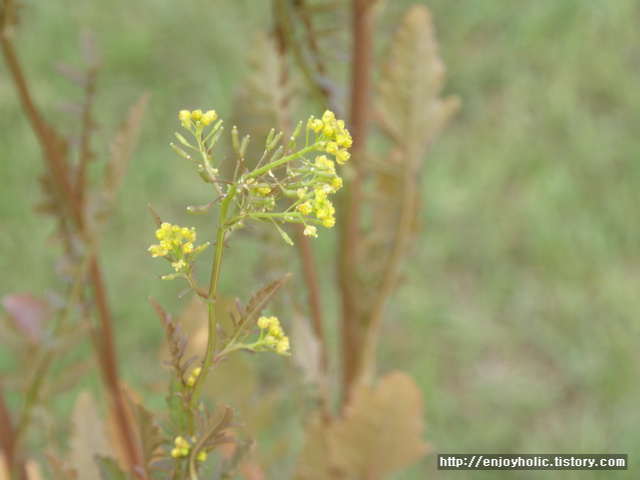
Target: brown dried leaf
88,437
408,107
379,434
121,149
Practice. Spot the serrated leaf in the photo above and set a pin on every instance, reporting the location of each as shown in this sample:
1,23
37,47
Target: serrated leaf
261,299
147,433
176,341
109,469
121,149
87,438
408,106
175,406
379,434
214,433
266,97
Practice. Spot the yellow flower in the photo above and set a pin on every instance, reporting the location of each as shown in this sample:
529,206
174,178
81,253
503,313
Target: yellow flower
328,117
185,118
178,265
311,231
329,222
209,117
306,208
202,456
196,115
283,346
342,156
332,148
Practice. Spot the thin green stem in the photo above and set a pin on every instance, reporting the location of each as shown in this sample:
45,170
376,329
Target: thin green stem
282,161
211,308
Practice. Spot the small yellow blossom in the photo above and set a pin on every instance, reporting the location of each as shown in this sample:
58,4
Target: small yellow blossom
185,118
283,346
316,125
332,148
328,117
311,231
196,115
306,208
342,156
202,456
329,222
182,448
191,381
178,265
209,117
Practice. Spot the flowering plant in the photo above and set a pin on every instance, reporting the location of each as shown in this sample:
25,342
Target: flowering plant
289,184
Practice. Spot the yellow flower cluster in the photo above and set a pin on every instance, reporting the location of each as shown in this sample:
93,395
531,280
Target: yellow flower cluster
182,449
321,206
275,337
197,118
174,240
339,138
191,381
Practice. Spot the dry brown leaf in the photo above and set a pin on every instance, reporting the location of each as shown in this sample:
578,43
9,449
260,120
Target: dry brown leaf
88,437
379,434
408,107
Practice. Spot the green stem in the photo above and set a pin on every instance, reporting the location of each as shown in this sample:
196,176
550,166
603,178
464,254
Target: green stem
282,161
211,308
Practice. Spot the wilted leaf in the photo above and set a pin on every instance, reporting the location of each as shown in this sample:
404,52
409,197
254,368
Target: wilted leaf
121,149
87,438
382,428
408,106
379,434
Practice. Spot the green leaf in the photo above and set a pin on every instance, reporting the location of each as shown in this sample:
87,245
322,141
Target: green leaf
175,406
87,438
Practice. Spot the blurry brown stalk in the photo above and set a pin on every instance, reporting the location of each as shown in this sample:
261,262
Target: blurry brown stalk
71,196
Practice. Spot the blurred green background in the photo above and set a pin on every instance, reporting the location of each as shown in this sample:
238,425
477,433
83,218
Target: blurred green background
519,317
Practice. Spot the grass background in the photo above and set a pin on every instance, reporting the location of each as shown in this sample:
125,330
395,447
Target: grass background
519,317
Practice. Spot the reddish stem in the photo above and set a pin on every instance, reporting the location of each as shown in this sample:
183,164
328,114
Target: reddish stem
57,166
363,26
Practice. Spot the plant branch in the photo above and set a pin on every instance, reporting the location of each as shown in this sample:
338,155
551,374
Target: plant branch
9,442
58,167
363,26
